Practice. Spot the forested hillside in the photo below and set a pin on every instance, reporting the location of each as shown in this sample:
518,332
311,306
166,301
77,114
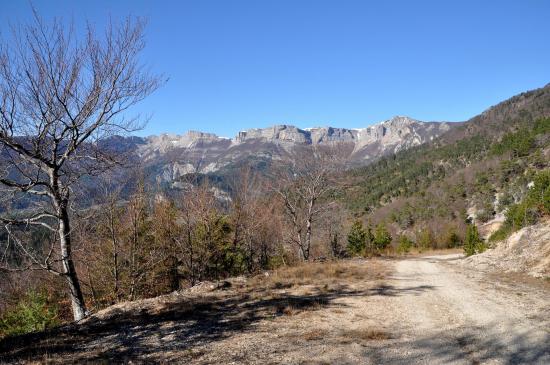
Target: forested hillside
473,173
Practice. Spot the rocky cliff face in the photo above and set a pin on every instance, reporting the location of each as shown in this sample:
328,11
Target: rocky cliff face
206,152
391,132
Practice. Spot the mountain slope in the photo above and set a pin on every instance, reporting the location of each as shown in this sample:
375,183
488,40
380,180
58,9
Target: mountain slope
473,172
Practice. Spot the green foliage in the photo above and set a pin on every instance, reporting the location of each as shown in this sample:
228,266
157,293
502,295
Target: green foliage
357,239
410,172
213,236
505,201
535,204
521,215
435,180
518,143
32,313
473,243
382,237
452,239
539,194
405,244
500,234
521,142
541,126
426,240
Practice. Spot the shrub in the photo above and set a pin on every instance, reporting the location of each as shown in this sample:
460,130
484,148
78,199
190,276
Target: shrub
539,194
473,243
505,200
382,237
500,234
452,239
405,244
426,240
32,313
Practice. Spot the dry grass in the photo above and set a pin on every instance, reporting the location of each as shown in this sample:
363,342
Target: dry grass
315,334
294,302
430,252
323,276
366,335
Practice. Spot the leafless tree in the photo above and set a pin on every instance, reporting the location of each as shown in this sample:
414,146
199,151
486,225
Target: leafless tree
61,97
302,186
247,215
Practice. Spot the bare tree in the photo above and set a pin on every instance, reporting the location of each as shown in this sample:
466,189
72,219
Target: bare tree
302,186
61,97
253,219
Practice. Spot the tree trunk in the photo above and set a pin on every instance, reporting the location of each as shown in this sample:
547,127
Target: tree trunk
308,239
301,245
115,255
75,292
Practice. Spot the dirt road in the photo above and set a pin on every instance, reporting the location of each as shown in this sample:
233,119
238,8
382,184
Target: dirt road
428,311
464,317
416,310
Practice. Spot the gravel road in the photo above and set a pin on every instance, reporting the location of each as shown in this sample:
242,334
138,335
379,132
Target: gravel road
430,310
462,317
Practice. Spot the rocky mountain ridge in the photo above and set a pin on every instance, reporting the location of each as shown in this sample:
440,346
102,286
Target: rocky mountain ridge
391,130
206,152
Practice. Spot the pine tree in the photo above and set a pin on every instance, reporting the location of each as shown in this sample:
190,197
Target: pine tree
382,238
426,239
357,238
473,243
370,240
452,238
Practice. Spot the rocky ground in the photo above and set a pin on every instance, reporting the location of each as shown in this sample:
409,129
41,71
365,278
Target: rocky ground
415,310
526,251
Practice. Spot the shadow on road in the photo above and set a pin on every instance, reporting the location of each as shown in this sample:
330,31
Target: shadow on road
175,325
468,346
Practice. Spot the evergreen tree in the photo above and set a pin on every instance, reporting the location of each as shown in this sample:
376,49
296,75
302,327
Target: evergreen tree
357,238
405,244
473,243
370,240
452,238
426,239
382,237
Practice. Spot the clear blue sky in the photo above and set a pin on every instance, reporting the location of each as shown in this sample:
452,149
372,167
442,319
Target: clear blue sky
241,64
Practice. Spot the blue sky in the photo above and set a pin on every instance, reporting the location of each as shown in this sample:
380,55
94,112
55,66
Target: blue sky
242,64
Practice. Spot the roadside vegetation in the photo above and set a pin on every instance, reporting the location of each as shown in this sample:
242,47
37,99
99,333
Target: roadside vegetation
34,312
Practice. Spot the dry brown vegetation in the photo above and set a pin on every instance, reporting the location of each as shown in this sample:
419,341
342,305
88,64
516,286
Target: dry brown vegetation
288,308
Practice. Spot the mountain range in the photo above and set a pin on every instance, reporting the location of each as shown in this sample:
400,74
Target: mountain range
168,157
172,156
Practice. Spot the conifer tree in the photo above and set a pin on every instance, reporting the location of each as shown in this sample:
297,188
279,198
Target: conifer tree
357,238
382,238
473,243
